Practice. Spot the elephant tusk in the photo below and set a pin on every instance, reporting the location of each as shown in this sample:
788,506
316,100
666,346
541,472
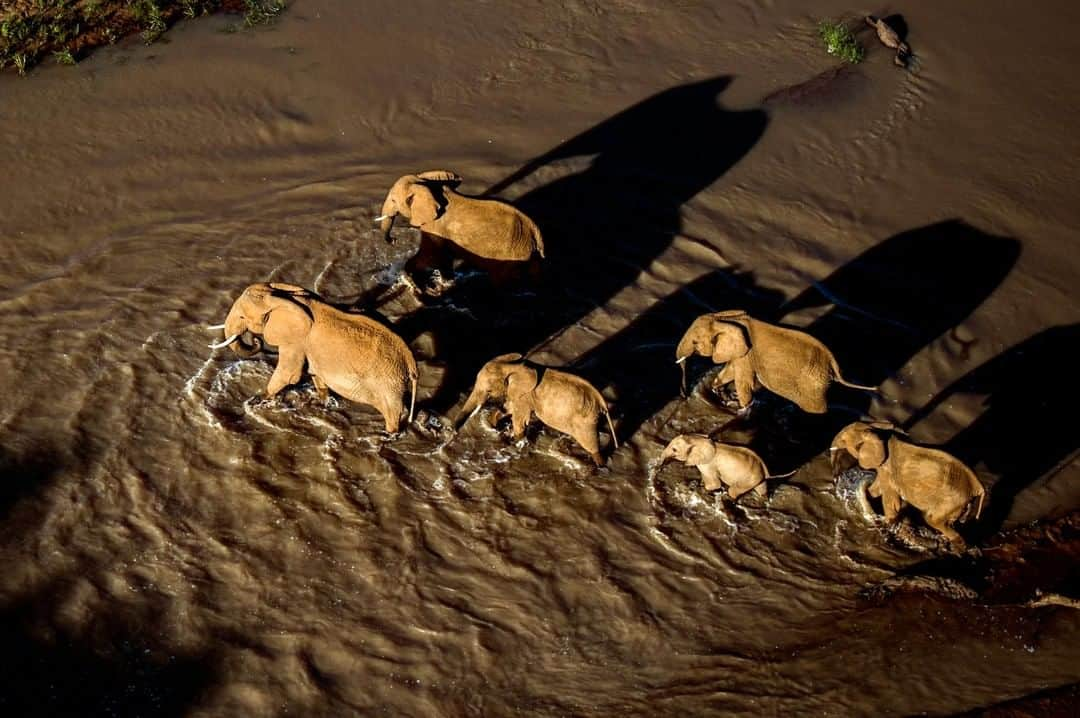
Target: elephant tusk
834,448
380,218
215,327
227,342
680,360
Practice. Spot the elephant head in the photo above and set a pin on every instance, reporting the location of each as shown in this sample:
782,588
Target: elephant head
413,198
691,449
505,377
272,311
862,441
724,336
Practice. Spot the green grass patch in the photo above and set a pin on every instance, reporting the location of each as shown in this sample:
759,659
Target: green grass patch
840,41
32,30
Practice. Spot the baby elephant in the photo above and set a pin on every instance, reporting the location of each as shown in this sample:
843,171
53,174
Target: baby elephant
736,466
490,234
562,401
357,357
787,362
937,484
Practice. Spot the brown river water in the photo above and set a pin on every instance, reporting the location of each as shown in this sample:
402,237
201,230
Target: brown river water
172,546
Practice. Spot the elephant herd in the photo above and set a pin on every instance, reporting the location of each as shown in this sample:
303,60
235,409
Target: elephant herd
364,361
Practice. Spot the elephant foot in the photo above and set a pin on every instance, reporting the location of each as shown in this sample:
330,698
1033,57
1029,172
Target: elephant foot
597,459
438,284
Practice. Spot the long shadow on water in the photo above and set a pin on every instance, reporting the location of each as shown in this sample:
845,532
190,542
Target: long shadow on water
1021,436
887,305
109,672
602,225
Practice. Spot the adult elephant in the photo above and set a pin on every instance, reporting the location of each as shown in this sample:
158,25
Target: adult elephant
354,355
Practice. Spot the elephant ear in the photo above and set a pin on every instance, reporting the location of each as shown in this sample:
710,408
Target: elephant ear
422,205
287,322
702,451
287,288
520,381
731,340
446,177
512,356
870,452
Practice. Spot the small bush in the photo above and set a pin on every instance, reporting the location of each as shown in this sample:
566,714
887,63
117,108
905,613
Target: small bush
31,30
840,41
259,12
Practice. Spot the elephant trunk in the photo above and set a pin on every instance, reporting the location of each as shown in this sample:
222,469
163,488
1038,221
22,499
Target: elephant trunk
394,199
840,460
666,455
683,352
386,222
234,330
471,405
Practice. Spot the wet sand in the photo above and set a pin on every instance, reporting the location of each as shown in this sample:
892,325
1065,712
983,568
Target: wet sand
173,548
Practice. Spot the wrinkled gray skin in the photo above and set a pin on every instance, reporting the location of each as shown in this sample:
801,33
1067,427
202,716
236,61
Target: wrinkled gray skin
562,401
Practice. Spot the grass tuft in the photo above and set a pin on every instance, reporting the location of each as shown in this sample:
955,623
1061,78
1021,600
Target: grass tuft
260,12
64,57
32,30
841,42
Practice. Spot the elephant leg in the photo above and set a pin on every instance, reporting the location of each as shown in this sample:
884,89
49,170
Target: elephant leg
519,419
874,489
936,521
710,478
589,440
724,377
290,367
735,492
891,502
320,388
391,413
761,490
744,381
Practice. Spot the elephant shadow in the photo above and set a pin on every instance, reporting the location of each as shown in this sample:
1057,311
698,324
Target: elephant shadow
24,475
887,304
602,225
110,671
1020,436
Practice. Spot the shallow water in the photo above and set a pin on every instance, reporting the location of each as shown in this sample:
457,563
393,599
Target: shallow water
173,547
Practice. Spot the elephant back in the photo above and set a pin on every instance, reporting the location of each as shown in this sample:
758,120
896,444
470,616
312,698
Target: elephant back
491,229
789,362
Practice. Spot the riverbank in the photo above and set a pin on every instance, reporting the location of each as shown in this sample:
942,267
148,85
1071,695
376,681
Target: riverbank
32,31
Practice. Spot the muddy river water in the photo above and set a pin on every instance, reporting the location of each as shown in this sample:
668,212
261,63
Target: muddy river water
172,546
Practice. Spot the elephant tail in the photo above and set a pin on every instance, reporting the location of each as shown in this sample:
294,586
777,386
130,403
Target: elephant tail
413,376
534,231
838,378
611,428
782,476
981,491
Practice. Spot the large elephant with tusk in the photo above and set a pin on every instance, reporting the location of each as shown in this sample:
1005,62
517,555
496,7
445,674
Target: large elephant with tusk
357,357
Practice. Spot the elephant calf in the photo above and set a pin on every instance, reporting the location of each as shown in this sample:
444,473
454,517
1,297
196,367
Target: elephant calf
738,467
785,361
562,401
936,483
357,357
490,234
